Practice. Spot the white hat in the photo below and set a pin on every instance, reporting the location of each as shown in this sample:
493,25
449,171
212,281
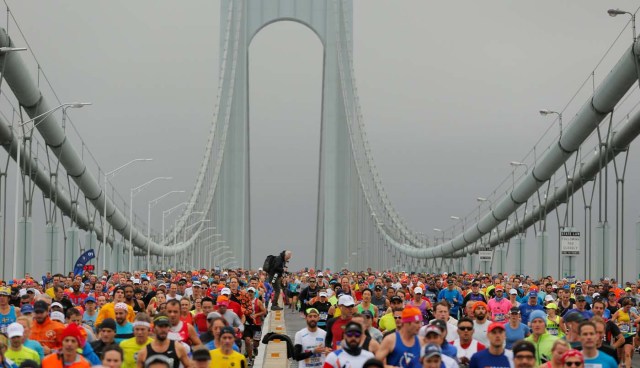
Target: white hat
22,292
56,304
346,300
15,329
122,306
225,291
136,281
595,295
548,298
513,292
251,288
322,293
320,274
57,316
417,290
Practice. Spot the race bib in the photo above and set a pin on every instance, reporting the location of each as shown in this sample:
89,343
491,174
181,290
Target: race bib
314,361
324,316
498,317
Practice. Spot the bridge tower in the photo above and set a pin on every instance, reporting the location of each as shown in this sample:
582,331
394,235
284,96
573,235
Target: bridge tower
328,19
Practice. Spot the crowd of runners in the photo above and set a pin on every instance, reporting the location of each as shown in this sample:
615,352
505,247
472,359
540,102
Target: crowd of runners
214,318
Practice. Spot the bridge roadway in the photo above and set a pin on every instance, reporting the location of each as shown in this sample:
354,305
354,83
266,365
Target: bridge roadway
294,323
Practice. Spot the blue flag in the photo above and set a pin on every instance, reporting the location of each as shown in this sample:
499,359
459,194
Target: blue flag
82,261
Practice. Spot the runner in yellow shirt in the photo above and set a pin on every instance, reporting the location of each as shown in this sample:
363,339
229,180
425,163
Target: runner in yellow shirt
16,351
225,356
140,339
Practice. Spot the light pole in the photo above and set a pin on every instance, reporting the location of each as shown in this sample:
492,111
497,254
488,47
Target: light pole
175,229
440,231
151,204
104,208
616,12
133,192
224,263
213,252
164,214
201,248
482,200
20,136
184,238
456,219
545,112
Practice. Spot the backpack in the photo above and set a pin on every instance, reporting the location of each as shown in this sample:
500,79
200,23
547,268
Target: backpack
268,263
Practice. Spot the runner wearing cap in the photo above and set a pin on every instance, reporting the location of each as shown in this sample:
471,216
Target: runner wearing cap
309,349
322,305
542,340
8,313
17,351
403,345
432,357
309,293
349,353
481,323
515,329
452,296
499,306
423,304
45,330
224,356
90,312
530,306
174,352
495,356
259,311
335,325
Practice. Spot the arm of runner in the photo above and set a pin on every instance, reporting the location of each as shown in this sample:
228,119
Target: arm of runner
299,355
181,351
387,345
193,336
142,356
329,336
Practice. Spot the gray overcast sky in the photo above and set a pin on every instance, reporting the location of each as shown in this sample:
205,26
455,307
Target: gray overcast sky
449,91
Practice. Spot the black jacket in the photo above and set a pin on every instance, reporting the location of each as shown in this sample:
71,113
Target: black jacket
279,264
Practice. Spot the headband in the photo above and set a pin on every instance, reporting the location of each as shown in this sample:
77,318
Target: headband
142,323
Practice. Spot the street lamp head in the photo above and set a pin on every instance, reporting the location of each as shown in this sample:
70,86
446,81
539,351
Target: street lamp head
516,163
12,49
616,12
481,199
436,229
545,112
454,217
78,105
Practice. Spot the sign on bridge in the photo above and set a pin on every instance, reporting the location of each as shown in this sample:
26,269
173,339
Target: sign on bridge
570,242
485,255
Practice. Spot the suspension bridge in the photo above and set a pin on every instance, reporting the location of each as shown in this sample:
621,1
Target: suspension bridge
574,175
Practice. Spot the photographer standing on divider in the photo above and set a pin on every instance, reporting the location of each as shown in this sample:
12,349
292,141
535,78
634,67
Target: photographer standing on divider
276,270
